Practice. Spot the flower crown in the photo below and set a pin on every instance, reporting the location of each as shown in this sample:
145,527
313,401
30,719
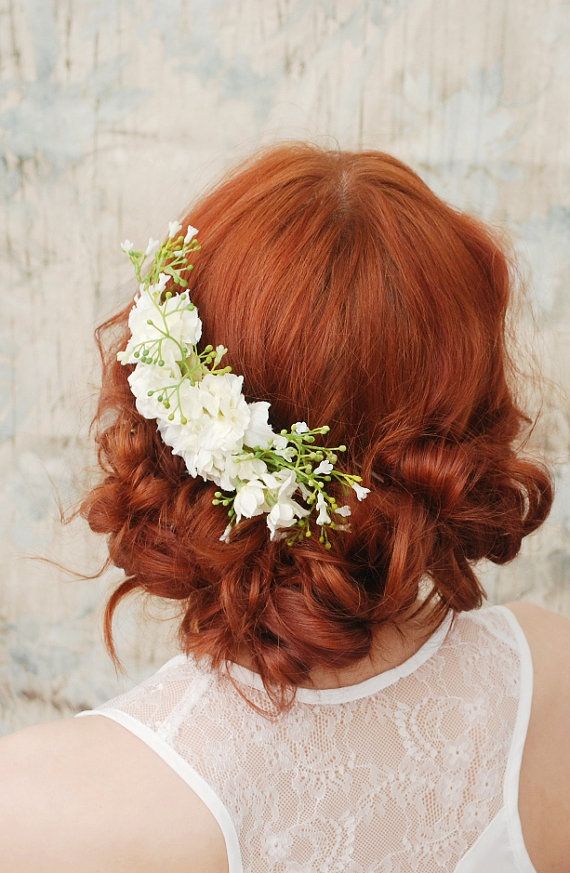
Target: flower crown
203,416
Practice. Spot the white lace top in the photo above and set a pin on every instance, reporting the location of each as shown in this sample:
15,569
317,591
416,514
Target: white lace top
414,770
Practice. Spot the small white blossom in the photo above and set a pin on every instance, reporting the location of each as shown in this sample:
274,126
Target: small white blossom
323,517
259,432
152,247
173,228
280,442
250,499
189,234
220,351
158,287
288,453
225,537
127,246
300,427
344,510
324,467
361,492
184,325
238,471
285,510
147,377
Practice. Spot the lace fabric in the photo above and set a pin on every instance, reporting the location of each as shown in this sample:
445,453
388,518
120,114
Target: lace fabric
407,772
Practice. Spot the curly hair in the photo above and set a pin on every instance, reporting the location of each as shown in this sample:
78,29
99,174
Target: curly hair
348,294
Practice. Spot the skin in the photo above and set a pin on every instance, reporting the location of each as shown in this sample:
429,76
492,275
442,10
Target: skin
85,794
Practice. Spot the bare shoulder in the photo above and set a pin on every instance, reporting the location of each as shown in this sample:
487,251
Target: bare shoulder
541,623
544,799
86,794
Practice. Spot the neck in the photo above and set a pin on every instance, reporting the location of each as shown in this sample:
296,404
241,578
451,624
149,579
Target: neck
390,648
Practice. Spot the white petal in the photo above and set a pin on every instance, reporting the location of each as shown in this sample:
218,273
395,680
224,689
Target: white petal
300,427
361,492
225,537
259,433
173,228
190,233
324,467
344,510
280,442
152,246
323,516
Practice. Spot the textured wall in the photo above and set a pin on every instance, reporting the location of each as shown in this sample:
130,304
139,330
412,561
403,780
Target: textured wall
113,115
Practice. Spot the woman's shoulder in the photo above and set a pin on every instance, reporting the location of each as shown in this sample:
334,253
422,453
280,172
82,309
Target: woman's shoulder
544,799
84,794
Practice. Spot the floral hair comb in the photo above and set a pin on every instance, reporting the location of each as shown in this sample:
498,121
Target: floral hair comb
201,412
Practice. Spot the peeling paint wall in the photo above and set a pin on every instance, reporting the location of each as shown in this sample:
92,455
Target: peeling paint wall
113,116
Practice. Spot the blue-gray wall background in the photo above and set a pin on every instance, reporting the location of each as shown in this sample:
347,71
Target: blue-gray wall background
113,116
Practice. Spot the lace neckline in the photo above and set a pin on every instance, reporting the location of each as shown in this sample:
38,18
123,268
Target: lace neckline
366,687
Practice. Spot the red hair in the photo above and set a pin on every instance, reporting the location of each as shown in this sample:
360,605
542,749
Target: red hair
348,294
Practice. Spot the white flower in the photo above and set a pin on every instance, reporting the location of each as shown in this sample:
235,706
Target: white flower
158,287
219,415
152,246
360,491
173,228
184,325
280,442
323,517
344,510
250,499
225,537
300,427
189,234
285,510
127,246
222,398
288,453
147,377
259,432
324,467
187,441
239,471
220,352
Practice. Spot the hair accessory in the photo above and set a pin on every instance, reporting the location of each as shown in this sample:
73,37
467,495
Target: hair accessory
203,416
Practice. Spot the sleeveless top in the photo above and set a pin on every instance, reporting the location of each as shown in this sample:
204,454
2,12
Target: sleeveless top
415,770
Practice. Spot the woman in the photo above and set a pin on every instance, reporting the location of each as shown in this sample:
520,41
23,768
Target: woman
342,701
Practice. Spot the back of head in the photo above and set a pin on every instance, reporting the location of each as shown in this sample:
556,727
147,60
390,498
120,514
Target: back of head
347,294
